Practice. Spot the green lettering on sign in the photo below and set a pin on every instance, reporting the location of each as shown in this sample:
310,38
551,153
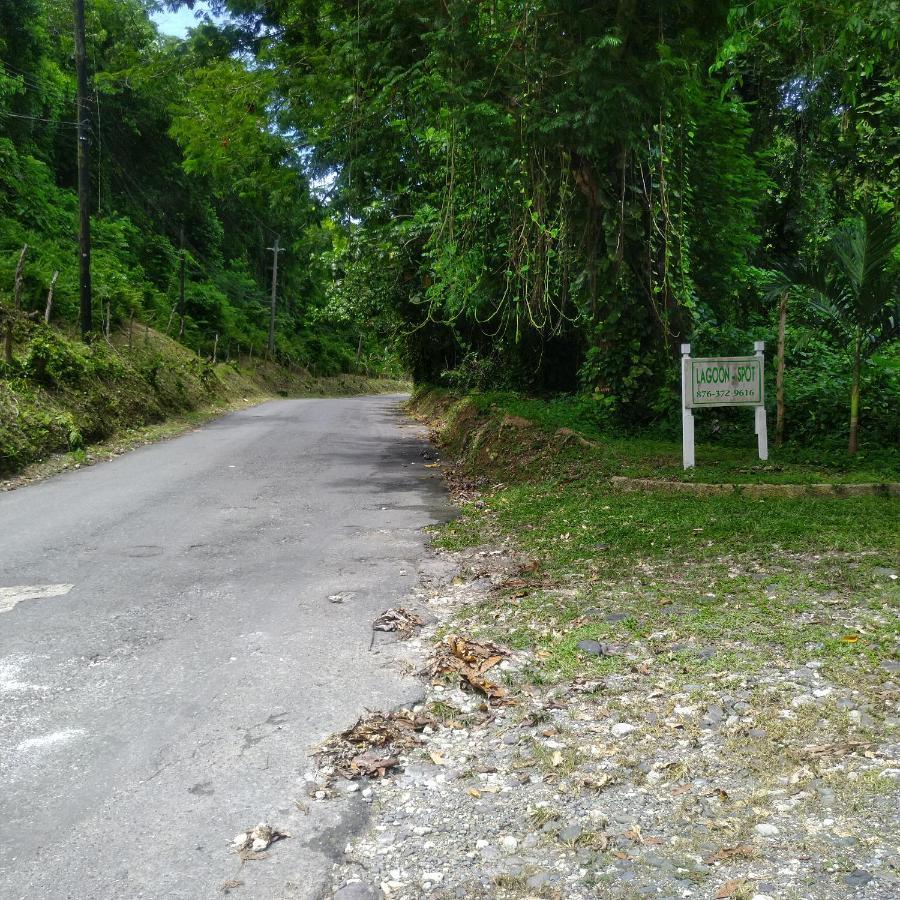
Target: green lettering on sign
724,381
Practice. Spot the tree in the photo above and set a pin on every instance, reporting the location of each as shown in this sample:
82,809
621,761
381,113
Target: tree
854,288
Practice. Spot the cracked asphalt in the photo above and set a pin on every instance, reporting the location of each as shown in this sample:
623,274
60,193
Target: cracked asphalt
169,653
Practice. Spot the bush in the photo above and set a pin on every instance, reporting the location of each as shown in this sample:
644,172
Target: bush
52,360
817,394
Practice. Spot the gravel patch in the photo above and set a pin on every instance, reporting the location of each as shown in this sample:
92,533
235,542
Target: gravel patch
770,783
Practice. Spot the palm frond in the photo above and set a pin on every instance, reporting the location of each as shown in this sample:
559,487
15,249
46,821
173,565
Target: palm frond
862,250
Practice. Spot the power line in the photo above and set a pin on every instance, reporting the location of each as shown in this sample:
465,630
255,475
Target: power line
63,122
153,205
199,260
30,78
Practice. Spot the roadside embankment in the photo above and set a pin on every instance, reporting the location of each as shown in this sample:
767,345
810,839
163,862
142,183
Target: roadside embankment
507,437
65,403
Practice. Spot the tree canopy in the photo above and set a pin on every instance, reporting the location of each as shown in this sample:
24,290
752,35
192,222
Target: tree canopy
545,195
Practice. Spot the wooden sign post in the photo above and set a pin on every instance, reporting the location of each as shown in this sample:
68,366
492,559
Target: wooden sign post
722,381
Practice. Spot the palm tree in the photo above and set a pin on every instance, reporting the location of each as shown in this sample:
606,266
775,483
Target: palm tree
855,289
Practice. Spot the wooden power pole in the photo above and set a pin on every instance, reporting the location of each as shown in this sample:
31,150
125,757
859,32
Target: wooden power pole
275,251
84,173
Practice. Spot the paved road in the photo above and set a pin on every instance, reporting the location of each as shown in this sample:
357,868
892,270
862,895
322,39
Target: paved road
168,698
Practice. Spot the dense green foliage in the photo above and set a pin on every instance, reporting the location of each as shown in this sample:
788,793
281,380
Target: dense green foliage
553,194
184,137
530,195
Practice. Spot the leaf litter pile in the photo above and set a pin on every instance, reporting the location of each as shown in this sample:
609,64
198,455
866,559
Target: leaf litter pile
399,620
373,745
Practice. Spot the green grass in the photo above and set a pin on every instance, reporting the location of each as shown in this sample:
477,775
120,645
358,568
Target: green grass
747,578
574,519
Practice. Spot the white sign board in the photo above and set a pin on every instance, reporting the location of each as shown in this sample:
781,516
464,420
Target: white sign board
722,381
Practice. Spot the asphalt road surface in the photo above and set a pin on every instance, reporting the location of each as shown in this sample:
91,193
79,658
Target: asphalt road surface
169,653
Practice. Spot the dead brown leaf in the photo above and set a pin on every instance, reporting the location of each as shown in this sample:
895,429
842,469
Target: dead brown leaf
469,660
372,762
372,745
730,888
724,854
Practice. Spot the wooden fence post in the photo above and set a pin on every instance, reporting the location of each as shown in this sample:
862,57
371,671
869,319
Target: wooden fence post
49,306
7,341
20,278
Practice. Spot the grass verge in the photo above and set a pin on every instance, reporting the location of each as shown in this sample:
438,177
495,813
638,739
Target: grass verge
700,584
512,435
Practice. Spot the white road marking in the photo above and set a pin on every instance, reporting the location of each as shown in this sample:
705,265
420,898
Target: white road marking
10,596
49,740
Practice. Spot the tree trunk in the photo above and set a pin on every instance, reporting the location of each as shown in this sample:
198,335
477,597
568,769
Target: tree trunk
779,373
854,396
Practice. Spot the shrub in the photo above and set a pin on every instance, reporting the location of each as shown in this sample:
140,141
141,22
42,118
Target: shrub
52,360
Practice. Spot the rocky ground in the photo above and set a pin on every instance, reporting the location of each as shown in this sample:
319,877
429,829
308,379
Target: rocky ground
681,769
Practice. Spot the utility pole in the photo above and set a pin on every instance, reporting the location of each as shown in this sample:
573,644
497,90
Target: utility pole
84,173
275,251
181,287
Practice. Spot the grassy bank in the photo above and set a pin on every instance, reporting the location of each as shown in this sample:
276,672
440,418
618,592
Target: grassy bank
59,396
512,435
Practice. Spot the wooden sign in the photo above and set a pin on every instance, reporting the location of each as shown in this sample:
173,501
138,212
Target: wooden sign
722,381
